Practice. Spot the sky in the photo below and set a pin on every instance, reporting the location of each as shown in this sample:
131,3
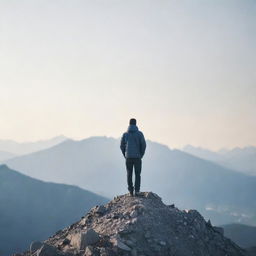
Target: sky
184,69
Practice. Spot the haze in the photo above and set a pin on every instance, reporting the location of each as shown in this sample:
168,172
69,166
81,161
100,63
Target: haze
184,69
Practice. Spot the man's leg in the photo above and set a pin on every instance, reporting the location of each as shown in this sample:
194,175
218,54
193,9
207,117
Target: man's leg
137,167
129,167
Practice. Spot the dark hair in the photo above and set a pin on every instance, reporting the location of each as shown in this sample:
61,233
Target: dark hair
133,121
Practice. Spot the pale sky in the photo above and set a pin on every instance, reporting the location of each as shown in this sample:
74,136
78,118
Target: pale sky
186,70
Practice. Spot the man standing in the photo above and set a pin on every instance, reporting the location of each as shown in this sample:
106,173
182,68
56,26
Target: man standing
133,147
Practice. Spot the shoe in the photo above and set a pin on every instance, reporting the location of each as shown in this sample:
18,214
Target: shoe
131,193
137,193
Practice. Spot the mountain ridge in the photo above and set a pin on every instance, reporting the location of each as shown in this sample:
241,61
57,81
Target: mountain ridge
239,159
23,148
31,209
177,176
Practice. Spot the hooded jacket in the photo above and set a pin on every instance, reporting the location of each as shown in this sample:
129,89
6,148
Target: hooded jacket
133,144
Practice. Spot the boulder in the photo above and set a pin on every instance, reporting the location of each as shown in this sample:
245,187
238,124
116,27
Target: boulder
88,251
121,245
82,239
100,209
48,250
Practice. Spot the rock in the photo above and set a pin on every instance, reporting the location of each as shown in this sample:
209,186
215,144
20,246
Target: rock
147,235
156,247
133,214
35,246
134,252
133,221
83,239
66,241
118,243
129,243
137,226
103,252
152,196
68,250
162,243
219,230
88,251
100,210
48,250
209,223
58,232
139,209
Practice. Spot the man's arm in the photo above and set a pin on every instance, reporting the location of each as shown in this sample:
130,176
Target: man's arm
123,144
142,144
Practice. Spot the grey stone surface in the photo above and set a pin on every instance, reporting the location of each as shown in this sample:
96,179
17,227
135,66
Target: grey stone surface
88,251
144,225
101,209
82,239
48,250
118,243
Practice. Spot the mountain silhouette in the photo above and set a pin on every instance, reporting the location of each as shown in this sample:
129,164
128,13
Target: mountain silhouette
23,148
96,163
32,210
239,159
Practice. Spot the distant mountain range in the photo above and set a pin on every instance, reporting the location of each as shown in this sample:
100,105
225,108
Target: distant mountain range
33,210
243,235
17,148
97,164
239,159
5,155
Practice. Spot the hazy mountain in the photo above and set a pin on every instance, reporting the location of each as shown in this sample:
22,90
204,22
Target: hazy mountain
97,164
243,235
29,147
5,155
202,153
32,210
239,159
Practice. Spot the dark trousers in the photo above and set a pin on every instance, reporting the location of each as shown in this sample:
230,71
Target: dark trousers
136,163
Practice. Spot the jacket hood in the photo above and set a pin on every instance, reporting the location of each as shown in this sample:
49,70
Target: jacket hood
132,128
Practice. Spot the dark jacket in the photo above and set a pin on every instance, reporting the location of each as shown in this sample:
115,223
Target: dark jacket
133,144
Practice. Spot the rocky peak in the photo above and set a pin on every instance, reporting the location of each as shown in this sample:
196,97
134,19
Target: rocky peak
138,226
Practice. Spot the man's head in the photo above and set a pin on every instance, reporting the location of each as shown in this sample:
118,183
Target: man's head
133,121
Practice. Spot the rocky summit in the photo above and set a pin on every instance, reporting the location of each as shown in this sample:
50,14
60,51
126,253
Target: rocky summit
138,226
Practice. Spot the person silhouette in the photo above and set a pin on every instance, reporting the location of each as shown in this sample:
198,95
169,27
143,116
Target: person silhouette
133,146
